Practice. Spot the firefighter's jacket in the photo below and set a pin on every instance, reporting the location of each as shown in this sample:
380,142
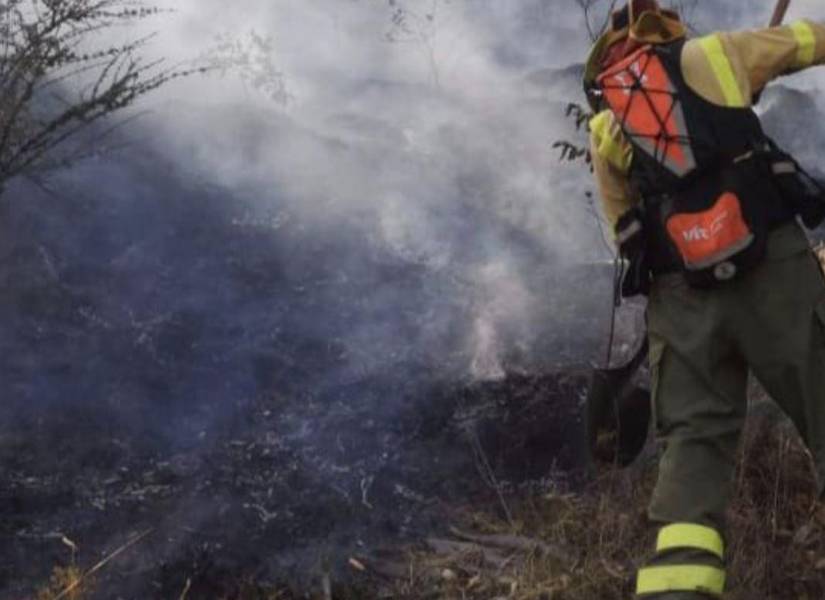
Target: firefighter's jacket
726,69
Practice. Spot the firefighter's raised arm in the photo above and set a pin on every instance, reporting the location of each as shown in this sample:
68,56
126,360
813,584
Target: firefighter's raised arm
759,56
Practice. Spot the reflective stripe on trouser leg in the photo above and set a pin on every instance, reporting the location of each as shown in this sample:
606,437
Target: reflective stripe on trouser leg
681,578
689,535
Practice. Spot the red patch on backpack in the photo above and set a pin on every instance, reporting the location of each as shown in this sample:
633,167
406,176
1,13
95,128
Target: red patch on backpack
714,235
639,92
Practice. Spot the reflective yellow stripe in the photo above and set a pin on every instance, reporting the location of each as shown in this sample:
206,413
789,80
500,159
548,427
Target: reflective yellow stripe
719,62
806,39
618,154
687,535
681,578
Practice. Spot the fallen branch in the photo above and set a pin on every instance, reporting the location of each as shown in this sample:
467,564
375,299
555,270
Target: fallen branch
390,569
452,548
516,542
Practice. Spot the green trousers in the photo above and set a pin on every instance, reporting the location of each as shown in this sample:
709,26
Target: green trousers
703,344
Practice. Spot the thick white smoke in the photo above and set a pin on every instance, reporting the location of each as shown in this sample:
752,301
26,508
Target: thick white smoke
428,140
424,141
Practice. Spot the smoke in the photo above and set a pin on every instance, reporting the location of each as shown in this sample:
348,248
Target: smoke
402,219
405,207
436,147
805,9
430,135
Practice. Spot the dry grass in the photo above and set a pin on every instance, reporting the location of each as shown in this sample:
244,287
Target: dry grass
66,578
73,583
776,537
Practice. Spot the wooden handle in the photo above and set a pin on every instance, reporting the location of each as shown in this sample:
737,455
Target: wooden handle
779,12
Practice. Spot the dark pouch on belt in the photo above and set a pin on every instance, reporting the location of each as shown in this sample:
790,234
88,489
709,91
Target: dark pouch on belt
797,187
717,228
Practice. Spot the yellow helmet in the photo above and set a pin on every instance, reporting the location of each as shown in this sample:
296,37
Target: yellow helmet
641,21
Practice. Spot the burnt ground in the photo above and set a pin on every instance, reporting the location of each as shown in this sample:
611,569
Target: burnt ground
249,504
267,402
266,397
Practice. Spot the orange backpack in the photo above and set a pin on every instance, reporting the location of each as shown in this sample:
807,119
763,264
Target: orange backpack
703,171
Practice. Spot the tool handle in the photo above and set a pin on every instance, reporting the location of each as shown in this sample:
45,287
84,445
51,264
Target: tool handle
779,12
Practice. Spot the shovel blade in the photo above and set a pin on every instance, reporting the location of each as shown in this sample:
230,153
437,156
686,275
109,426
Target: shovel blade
618,416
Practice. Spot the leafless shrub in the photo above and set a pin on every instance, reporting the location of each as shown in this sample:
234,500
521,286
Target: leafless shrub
596,15
47,49
417,23
251,57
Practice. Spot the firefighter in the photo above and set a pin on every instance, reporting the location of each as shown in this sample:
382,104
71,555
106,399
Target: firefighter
705,208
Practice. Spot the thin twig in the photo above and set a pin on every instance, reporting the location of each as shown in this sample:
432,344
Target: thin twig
488,473
106,560
326,586
185,589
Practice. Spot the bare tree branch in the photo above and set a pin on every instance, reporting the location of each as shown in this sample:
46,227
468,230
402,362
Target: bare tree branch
417,23
596,15
45,44
250,57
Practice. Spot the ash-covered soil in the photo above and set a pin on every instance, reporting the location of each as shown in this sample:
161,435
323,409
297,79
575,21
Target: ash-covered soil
251,503
264,400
